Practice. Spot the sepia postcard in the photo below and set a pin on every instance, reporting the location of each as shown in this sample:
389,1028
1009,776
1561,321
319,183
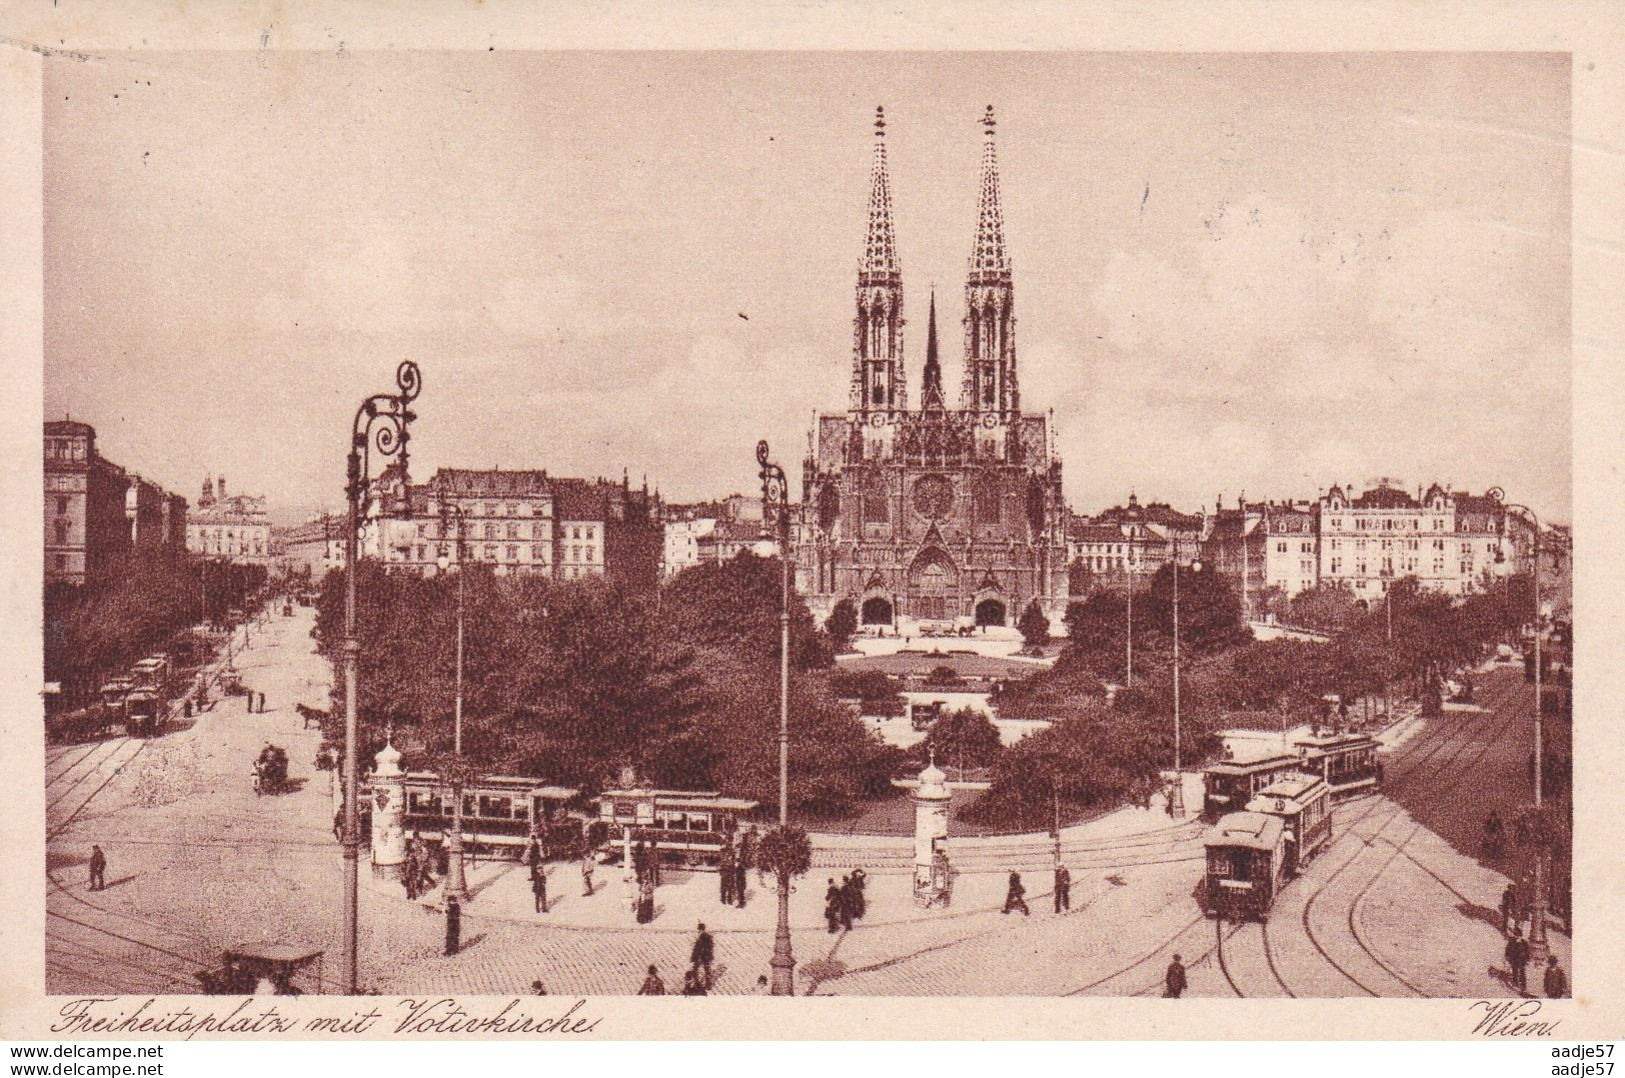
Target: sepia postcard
958,521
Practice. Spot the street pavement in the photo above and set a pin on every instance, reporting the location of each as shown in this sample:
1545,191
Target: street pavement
198,862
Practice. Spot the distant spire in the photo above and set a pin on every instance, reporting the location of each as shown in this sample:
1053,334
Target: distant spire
931,395
880,249
987,256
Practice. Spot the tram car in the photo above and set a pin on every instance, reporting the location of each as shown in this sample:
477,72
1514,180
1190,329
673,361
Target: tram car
143,713
501,814
1347,763
1253,853
151,673
687,827
1304,804
1229,784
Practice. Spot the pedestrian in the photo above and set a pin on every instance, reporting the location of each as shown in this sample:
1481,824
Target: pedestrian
725,873
1517,953
640,860
741,877
1174,980
703,952
586,872
860,901
652,984
338,825
843,902
646,900
538,887
654,859
533,855
1015,897
832,906
409,878
1509,909
692,985
1556,983
1063,889
747,855
98,869
537,988
454,925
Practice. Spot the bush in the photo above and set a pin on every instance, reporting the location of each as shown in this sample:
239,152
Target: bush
842,624
1034,626
965,738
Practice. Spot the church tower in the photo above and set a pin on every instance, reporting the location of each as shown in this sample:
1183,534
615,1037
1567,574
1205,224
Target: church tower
931,393
990,321
878,383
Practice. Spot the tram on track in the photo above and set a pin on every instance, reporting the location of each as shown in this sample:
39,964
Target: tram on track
687,827
1252,854
1229,784
501,815
1347,763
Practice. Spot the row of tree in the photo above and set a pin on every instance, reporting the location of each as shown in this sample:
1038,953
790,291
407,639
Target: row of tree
574,680
136,607
1105,748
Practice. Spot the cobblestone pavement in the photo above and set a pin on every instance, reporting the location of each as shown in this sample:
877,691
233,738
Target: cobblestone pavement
198,862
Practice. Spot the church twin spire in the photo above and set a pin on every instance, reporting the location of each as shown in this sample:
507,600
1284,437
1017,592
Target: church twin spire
878,377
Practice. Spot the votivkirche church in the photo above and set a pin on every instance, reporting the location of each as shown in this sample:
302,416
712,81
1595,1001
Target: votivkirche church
933,515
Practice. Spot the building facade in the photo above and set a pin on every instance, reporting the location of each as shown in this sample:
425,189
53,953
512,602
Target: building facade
934,514
1452,542
1292,546
95,511
519,521
1126,545
236,527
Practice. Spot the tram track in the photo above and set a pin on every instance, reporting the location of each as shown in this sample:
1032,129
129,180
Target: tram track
63,823
86,764
1457,763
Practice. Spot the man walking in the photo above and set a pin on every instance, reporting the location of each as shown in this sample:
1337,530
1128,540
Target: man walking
843,902
832,907
703,953
747,858
1063,889
454,925
538,886
98,869
652,984
741,875
1509,909
1556,983
725,873
586,873
860,902
1016,897
1174,979
1517,959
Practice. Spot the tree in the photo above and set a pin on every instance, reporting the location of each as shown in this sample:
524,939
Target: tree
734,605
842,624
1209,612
965,738
1326,607
1034,626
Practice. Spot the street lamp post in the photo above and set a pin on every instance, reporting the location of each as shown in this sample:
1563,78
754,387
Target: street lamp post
1176,796
456,878
776,500
381,424
1538,948
1128,666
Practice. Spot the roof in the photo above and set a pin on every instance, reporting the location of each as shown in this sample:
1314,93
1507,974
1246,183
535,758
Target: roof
1257,763
1385,498
1298,790
1334,741
578,499
68,426
513,784
1477,503
489,482
696,799
276,952
1254,830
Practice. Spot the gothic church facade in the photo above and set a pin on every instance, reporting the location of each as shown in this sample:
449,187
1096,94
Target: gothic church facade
934,515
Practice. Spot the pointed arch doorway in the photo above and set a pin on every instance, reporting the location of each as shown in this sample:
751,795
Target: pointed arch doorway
933,586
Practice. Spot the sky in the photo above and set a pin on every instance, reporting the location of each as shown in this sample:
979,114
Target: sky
1234,274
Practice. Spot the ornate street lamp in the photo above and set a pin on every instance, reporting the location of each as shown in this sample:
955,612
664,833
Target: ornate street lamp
381,424
456,879
776,508
1537,921
1176,796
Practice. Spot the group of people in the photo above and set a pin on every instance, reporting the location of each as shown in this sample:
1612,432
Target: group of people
845,902
734,863
536,861
417,874
1554,982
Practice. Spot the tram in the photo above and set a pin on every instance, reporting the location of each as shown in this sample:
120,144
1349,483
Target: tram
1304,805
686,827
1253,853
143,713
1347,763
501,815
1229,784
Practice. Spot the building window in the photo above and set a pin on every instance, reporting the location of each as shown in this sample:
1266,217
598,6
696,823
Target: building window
490,530
513,553
513,531
61,505
61,531
490,553
538,553
1280,548
1337,565
61,563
